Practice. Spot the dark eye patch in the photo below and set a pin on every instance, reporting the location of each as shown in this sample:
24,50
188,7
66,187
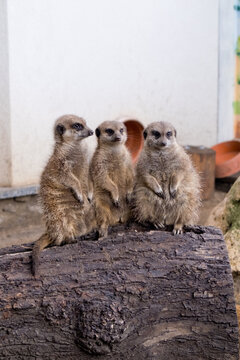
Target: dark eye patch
109,131
169,134
77,126
156,134
121,131
60,129
97,132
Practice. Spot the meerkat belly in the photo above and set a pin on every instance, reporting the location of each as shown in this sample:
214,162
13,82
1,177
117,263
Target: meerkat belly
120,180
62,200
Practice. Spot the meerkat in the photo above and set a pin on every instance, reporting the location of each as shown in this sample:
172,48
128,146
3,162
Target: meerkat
112,174
64,187
167,187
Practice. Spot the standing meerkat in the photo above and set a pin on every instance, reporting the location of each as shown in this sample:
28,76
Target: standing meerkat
112,174
64,186
167,188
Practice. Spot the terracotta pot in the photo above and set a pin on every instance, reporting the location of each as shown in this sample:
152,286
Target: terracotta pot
135,138
227,158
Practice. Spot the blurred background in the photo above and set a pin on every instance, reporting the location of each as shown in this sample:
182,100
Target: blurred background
148,60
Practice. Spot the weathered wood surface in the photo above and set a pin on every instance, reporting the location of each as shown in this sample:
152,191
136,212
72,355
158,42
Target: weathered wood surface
136,295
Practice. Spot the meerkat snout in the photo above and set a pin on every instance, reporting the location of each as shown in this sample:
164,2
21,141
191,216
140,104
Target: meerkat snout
71,128
111,133
160,135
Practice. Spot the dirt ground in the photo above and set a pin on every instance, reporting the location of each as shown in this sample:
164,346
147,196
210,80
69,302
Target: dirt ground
21,218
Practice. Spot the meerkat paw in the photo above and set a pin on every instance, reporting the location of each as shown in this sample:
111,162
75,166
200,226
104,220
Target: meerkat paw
78,196
128,198
102,233
158,225
177,229
80,199
90,197
173,193
160,194
116,203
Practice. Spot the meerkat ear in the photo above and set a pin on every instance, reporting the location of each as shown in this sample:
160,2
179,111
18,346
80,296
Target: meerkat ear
145,134
97,132
60,129
175,132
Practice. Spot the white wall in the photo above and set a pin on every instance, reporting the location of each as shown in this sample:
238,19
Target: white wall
146,59
227,29
5,128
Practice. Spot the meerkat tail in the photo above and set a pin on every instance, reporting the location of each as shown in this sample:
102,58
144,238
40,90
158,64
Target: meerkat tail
40,244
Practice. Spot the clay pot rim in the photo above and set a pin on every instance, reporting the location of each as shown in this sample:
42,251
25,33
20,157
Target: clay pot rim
230,166
134,144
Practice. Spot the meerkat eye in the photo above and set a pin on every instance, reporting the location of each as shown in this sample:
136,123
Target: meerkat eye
77,126
109,132
156,134
121,131
169,134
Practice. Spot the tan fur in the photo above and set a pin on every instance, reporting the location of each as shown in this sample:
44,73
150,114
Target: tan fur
112,175
167,188
64,186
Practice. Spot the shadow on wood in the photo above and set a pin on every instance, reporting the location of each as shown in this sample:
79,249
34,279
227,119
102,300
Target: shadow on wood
136,295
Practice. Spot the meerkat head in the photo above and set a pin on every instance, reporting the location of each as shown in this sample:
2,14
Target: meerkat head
71,128
160,135
111,133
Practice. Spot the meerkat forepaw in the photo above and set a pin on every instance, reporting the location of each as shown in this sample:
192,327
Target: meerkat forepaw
80,199
90,197
160,194
173,193
128,198
116,203
78,196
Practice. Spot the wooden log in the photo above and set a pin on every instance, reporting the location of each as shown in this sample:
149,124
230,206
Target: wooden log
136,295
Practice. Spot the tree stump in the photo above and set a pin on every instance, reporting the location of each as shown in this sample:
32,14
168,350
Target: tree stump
139,294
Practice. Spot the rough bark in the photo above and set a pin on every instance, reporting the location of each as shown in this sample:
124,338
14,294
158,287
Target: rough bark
136,295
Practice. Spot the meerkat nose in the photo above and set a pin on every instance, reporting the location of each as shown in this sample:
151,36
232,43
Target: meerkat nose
163,143
90,132
117,138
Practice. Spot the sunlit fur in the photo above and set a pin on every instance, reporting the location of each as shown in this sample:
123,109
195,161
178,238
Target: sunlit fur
112,175
167,187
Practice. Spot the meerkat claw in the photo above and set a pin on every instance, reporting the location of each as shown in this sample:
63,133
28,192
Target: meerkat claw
160,194
116,203
80,199
128,198
173,193
90,198
77,196
158,225
177,231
